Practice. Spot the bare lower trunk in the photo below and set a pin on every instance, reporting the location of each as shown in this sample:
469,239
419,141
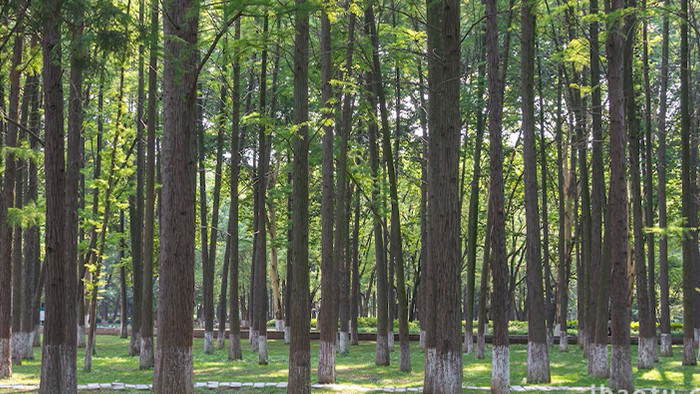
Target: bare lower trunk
220,339
688,352
480,345
326,362
645,354
344,342
550,338
429,367
81,336
537,363
262,350
253,339
382,350
36,342
666,345
563,339
421,341
5,370
620,360
405,357
234,346
134,343
598,361
146,353
469,342
208,342
500,370
390,339
16,355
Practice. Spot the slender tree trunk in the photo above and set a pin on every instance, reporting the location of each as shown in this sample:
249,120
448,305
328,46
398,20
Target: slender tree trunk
500,367
342,208
329,317
274,256
645,355
483,319
473,219
620,363
355,300
173,367
299,360
564,229
664,318
7,195
689,208
234,340
31,234
423,118
146,357
260,289
17,291
537,354
58,354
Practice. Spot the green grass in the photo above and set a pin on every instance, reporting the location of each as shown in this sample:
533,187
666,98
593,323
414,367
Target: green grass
113,364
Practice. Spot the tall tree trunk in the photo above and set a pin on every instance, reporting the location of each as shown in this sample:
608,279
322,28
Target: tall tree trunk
381,356
260,289
473,219
689,206
482,315
500,367
648,193
564,227
645,354
355,298
423,118
31,234
395,236
59,351
620,363
207,263
664,314
600,267
328,319
299,361
537,354
234,341
173,367
443,354
16,342
146,357
7,196
342,209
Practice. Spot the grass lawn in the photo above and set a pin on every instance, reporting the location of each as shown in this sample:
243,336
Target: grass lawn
113,364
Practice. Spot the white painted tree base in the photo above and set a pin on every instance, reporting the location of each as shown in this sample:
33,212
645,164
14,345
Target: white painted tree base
146,353
208,342
621,368
381,356
550,338
134,344
598,361
279,324
446,371
220,339
326,363
390,341
174,373
16,348
666,345
563,341
262,350
344,343
286,335
421,340
36,342
429,370
537,363
468,343
500,370
645,353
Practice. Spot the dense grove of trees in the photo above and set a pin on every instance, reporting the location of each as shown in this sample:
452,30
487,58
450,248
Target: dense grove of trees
187,163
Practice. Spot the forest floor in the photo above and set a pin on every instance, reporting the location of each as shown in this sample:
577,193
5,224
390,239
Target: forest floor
355,372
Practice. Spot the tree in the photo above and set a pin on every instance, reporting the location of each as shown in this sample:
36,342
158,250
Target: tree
620,363
500,375
443,355
299,360
329,290
146,347
58,355
690,240
537,355
664,314
173,368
